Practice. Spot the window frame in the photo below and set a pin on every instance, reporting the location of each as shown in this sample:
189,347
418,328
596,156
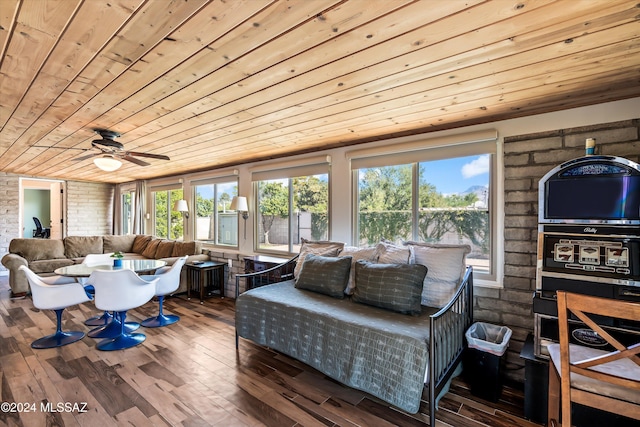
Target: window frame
424,150
168,188
311,166
226,179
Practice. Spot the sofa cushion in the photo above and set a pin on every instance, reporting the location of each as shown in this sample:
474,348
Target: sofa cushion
367,254
118,243
150,250
49,265
326,275
165,249
446,264
140,243
390,253
37,249
80,246
396,287
185,248
325,248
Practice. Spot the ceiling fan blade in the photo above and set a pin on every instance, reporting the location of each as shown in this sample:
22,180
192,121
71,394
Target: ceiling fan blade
151,156
134,160
87,156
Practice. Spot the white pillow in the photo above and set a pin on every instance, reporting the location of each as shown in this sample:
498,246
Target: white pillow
390,253
446,266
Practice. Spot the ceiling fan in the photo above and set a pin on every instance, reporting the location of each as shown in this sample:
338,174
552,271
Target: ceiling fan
111,151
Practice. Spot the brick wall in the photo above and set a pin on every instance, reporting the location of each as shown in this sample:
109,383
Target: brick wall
9,211
527,158
89,208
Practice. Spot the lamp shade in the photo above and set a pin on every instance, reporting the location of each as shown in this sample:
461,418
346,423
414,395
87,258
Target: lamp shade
107,163
181,206
239,204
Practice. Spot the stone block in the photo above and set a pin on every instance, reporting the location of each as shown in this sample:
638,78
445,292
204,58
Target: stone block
529,145
518,184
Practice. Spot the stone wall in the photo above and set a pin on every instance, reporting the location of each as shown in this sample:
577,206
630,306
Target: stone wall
89,208
527,158
9,211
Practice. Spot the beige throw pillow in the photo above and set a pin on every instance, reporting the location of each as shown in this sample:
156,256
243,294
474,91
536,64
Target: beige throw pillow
324,248
356,254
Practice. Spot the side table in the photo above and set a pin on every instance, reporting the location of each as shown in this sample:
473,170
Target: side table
204,278
257,263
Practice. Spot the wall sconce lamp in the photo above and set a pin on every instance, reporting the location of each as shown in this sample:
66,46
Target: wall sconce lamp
181,206
239,203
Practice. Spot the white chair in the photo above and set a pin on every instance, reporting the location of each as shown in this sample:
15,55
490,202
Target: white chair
91,260
119,291
55,293
168,281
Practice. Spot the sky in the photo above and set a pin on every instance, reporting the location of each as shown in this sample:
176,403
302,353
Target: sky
458,174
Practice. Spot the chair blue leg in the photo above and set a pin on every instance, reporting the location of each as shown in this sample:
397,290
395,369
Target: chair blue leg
161,319
60,338
112,329
122,341
105,318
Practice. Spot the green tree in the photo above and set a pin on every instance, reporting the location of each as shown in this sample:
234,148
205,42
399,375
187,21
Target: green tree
273,202
311,194
385,203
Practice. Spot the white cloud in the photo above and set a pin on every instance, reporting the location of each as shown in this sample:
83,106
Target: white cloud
476,167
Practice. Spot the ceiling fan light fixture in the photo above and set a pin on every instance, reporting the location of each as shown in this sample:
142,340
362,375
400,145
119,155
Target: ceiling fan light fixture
107,163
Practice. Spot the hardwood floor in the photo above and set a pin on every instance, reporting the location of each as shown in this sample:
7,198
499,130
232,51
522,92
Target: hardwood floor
189,374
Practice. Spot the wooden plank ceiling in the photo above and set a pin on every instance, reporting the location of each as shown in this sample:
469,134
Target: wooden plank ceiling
218,83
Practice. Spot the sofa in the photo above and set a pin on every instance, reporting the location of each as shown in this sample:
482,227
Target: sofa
388,320
43,256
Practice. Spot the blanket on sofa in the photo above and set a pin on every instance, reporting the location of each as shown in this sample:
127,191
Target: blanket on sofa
368,348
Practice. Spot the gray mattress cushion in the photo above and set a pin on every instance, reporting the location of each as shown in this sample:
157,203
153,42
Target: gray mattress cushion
372,349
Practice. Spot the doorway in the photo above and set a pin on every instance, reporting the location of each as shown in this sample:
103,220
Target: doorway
42,199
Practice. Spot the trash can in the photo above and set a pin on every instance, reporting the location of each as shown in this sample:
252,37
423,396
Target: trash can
487,345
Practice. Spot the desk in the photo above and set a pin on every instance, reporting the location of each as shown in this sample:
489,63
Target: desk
137,265
203,277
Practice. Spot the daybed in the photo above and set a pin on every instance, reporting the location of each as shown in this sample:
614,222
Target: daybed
374,340
43,256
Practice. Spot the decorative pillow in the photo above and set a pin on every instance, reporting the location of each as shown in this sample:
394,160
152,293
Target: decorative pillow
367,254
389,253
396,287
80,246
150,251
446,264
325,248
140,243
186,248
325,275
164,250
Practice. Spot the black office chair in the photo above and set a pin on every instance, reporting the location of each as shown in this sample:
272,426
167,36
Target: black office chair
42,233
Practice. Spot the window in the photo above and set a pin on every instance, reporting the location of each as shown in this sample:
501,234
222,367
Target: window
291,209
292,202
439,195
128,208
214,222
168,224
